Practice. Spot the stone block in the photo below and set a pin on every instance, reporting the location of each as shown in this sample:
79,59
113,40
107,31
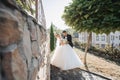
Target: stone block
9,32
21,20
32,29
39,37
33,69
13,67
33,34
27,45
35,49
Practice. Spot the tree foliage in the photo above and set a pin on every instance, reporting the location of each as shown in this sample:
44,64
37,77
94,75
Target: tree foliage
52,38
99,16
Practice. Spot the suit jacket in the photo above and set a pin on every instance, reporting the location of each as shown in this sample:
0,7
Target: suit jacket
69,39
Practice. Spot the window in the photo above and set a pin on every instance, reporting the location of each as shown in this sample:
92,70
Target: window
102,38
112,37
97,38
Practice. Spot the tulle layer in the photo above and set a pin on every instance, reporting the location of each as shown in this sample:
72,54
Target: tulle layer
65,58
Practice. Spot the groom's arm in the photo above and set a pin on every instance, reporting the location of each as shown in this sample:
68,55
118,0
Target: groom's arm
70,38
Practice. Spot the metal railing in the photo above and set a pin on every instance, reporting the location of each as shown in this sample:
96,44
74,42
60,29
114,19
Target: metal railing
28,5
34,8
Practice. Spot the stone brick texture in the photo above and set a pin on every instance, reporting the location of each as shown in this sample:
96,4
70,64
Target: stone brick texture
24,52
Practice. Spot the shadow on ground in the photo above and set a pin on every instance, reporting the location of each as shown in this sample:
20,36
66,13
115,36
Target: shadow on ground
75,74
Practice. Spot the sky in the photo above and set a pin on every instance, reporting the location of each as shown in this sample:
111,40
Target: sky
53,11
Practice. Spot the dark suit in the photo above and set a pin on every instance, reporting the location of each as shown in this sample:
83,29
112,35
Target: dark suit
69,39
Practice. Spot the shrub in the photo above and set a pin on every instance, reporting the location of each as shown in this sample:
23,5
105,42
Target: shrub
52,39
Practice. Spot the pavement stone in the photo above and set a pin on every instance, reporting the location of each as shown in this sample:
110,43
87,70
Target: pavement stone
74,74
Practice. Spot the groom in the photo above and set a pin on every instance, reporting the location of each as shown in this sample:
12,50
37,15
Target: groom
68,37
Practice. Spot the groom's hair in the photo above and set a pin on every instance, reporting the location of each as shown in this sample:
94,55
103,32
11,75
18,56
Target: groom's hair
64,31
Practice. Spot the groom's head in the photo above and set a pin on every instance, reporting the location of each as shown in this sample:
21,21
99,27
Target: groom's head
64,33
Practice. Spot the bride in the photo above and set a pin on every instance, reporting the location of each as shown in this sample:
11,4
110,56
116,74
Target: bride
64,56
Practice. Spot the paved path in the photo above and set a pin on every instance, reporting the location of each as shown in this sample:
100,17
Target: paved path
75,74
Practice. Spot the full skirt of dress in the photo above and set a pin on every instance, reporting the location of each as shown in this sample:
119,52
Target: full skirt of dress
65,58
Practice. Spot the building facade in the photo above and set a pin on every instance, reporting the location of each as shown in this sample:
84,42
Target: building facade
102,40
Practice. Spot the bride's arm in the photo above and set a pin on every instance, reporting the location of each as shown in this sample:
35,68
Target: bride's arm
61,42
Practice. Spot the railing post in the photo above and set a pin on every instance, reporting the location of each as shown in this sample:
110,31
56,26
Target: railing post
36,8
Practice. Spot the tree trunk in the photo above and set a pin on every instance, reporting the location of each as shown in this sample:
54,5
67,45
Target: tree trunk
87,47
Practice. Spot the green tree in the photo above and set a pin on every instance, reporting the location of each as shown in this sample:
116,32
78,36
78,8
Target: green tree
99,16
52,38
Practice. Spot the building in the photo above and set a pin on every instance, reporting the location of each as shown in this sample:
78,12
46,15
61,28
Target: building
102,40
99,40
114,39
83,37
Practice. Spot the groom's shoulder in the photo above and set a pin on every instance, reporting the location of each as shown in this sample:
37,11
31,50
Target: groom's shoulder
69,35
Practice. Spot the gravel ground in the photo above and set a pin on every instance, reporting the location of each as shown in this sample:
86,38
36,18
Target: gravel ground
100,66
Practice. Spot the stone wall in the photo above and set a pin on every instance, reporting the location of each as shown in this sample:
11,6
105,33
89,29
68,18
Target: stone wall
24,52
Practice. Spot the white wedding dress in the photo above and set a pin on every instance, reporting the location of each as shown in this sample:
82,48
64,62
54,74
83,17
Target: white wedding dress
65,57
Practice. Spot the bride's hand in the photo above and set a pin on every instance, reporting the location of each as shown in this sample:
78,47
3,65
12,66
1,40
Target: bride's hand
62,43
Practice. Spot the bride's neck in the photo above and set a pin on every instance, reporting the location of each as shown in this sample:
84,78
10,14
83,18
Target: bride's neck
59,38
